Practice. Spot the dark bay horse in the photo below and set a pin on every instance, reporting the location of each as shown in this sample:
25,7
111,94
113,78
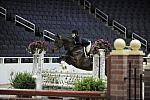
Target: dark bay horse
74,55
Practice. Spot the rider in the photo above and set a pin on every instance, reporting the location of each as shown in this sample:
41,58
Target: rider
81,42
76,37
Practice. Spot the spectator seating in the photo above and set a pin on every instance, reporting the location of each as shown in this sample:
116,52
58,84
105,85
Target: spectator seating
57,16
132,14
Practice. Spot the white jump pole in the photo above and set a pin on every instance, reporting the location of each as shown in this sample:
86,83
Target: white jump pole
38,60
99,65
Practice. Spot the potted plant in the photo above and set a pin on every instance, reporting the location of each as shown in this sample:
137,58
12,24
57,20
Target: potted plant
89,84
37,45
23,80
101,44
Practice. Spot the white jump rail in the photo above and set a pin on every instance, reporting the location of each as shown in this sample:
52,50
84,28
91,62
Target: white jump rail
3,11
147,58
57,85
62,79
18,20
47,34
119,27
143,42
101,14
20,59
87,4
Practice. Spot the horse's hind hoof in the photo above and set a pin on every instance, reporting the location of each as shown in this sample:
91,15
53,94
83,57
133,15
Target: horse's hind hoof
59,60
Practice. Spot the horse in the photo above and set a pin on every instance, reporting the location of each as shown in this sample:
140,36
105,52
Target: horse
75,54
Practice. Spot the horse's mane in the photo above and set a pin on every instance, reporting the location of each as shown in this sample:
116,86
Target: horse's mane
67,39
68,42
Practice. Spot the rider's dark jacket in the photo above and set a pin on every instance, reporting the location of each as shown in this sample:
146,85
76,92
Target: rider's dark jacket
81,41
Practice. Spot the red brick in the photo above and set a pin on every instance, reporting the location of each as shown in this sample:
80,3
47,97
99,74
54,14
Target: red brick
117,82
120,98
134,56
120,87
117,76
113,87
118,68
120,57
113,98
117,93
114,57
118,71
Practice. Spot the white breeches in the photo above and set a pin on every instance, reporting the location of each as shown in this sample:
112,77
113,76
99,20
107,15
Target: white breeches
88,47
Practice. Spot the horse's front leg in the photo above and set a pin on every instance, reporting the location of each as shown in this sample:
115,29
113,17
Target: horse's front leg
64,58
61,58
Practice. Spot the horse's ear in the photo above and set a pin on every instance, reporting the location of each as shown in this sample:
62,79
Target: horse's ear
58,36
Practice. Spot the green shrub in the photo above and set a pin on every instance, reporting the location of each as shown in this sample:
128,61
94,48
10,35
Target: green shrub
23,81
89,84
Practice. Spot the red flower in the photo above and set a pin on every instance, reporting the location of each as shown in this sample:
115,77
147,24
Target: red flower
101,44
40,45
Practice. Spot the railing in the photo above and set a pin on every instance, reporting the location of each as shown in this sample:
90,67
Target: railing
135,81
20,59
102,15
48,34
25,23
142,40
3,11
87,4
54,93
120,27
